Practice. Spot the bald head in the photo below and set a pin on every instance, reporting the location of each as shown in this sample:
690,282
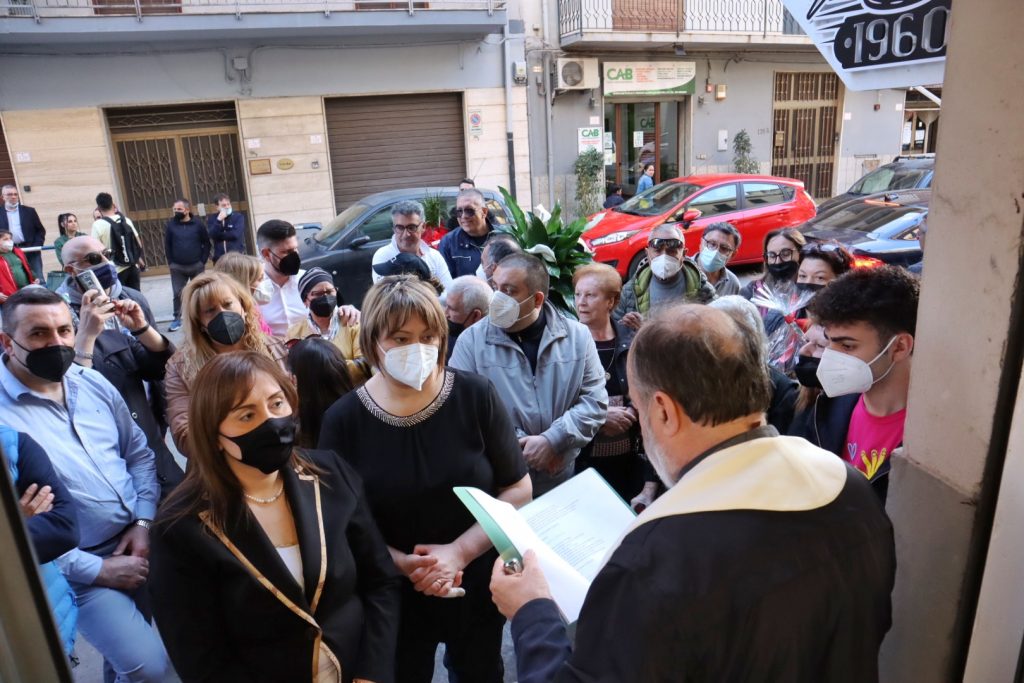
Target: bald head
704,360
76,248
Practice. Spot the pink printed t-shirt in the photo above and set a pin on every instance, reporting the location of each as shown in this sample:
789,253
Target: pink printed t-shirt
871,440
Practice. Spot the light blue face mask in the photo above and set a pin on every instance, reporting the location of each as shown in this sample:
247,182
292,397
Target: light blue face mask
712,260
227,211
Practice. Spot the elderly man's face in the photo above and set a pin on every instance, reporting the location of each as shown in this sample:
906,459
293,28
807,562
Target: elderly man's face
472,215
408,229
84,252
11,196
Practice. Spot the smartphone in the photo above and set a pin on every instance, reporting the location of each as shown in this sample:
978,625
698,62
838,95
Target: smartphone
88,280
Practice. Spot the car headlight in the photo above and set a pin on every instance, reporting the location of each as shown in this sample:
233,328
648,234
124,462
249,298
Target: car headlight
613,238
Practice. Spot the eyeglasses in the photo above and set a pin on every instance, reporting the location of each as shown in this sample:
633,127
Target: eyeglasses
723,249
781,255
95,258
412,227
663,244
467,212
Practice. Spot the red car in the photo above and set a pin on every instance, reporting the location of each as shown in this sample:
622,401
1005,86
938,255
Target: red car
754,204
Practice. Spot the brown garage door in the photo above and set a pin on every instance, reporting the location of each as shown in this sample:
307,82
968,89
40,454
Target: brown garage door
386,143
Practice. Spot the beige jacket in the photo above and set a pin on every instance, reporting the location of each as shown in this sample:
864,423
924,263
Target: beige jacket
347,341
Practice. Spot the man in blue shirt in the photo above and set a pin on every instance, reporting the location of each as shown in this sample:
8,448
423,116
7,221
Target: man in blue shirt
226,227
101,455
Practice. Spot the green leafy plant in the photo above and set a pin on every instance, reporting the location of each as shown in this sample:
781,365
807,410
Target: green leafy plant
555,243
743,161
433,209
589,168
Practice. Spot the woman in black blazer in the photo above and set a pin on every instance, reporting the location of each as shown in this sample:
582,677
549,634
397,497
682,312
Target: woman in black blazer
266,564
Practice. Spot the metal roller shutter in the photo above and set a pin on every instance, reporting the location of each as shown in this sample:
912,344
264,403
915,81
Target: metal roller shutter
387,143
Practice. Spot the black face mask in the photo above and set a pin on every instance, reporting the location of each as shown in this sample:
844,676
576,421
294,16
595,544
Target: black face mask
806,370
268,447
179,216
809,287
323,306
289,264
227,328
454,330
783,271
50,362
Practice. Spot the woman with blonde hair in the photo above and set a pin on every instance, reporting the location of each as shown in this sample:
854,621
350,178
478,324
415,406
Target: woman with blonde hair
219,316
248,270
412,432
266,564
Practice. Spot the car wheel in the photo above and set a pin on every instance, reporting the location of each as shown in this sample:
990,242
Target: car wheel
638,262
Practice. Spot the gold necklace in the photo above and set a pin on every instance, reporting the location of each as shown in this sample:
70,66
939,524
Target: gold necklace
264,501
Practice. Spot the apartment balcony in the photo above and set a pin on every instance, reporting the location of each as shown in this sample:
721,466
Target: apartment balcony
647,24
102,25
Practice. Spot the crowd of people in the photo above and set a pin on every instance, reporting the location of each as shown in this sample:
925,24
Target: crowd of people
315,534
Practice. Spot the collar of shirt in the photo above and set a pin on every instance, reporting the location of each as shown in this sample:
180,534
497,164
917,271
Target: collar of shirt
14,387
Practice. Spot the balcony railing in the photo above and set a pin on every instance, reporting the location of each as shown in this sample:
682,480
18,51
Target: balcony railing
766,17
42,9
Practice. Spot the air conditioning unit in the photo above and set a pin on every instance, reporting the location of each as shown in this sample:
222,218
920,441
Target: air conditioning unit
578,74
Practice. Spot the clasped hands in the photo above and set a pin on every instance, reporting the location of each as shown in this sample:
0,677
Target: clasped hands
433,569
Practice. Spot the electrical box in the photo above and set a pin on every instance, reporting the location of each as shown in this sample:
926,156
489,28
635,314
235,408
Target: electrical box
577,74
519,73
721,90
723,140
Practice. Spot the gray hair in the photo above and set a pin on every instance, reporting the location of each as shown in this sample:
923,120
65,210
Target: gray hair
726,229
668,229
8,187
407,208
476,294
745,314
471,192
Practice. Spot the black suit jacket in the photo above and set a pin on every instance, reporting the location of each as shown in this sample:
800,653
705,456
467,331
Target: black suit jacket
31,226
229,610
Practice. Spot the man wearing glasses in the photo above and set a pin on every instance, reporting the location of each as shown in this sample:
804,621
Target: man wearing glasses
718,244
407,223
668,278
461,248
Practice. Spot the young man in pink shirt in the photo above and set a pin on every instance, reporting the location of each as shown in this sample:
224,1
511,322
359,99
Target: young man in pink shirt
869,317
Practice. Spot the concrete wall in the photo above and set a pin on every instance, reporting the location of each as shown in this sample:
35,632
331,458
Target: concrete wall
487,154
69,163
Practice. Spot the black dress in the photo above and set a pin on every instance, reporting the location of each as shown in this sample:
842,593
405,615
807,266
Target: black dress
409,465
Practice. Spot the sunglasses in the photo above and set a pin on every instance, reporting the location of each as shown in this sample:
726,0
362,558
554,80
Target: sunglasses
663,244
95,258
467,212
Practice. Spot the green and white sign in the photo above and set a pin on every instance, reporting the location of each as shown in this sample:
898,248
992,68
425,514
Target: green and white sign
630,79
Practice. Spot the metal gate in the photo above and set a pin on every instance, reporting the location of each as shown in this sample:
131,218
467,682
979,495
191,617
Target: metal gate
805,129
194,159
6,169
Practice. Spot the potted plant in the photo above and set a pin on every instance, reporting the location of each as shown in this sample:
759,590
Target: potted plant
558,245
743,161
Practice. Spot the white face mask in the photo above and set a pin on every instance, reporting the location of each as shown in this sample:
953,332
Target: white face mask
841,374
411,364
264,292
665,266
7,245
504,311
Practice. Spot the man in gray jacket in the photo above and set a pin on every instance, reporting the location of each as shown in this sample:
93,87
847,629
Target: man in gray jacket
544,366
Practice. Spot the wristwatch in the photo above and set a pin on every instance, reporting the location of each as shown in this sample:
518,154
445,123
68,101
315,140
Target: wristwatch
144,523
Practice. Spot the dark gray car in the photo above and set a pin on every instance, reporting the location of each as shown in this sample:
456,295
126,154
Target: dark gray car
909,173
346,245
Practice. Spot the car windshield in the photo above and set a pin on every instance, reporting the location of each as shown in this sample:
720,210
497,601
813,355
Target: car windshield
340,222
658,199
870,216
889,178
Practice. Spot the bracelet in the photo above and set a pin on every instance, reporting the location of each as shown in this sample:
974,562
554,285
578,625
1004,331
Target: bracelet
83,355
144,523
141,331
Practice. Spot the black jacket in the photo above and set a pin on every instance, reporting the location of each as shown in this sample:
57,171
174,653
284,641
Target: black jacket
31,227
784,393
229,610
187,243
127,364
227,235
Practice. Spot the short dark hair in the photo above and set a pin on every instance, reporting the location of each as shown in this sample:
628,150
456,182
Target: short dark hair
467,181
885,298
834,254
501,244
706,360
104,201
26,296
537,278
614,188
183,201
791,234
274,231
5,231
217,198
726,229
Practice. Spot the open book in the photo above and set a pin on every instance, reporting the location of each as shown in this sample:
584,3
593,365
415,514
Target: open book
571,528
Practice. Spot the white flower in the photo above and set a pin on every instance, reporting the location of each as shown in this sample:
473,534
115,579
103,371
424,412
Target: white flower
543,251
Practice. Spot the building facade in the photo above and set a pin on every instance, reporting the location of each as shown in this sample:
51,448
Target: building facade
295,109
672,84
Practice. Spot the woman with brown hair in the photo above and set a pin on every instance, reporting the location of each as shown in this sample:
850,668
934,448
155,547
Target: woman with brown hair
266,564
219,316
412,432
248,271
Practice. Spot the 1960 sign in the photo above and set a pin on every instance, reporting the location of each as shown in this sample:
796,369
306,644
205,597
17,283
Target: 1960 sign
878,43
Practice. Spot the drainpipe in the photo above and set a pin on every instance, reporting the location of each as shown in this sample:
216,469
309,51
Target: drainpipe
548,129
509,137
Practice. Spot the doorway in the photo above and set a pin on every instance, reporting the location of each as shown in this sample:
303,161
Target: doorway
637,134
167,153
806,129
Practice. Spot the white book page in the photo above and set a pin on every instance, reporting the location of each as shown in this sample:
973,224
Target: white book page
568,587
581,520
